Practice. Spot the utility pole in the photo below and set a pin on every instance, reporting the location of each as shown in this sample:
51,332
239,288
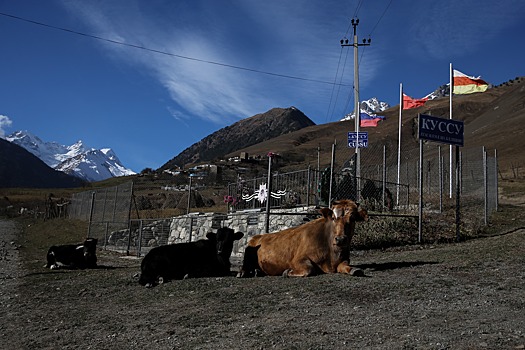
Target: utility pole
357,109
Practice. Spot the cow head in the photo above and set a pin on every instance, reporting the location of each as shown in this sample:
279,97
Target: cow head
224,239
336,228
348,211
90,251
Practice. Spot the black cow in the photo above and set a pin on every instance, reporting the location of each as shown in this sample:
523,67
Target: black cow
79,256
203,258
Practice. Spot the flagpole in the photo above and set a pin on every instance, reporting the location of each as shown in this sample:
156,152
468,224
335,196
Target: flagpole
399,141
451,89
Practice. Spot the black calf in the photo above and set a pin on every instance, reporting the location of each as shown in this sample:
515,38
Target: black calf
203,258
79,256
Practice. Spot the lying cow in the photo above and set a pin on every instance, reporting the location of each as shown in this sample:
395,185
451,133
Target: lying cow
319,246
203,258
79,256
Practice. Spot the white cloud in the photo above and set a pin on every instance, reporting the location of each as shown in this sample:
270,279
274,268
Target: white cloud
5,122
177,116
283,38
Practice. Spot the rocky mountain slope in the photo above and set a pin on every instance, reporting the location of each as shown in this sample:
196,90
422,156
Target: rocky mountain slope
244,133
492,119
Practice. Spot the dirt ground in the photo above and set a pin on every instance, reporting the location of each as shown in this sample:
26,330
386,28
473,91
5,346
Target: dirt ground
466,295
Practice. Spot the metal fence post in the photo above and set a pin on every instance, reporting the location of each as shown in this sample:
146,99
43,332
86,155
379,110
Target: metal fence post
268,194
91,213
458,193
191,229
139,248
496,177
440,169
254,190
331,175
189,197
106,235
308,188
129,240
420,221
384,179
485,186
129,217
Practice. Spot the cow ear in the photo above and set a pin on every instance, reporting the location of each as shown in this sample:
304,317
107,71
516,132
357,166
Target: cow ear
238,235
327,213
339,212
210,235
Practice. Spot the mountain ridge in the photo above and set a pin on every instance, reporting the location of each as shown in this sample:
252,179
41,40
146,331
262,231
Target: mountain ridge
246,132
490,120
19,168
78,160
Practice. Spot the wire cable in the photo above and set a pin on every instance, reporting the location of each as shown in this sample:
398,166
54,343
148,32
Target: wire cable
333,86
339,86
359,4
166,53
380,18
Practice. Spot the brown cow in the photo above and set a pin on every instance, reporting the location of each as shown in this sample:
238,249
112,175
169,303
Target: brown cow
320,246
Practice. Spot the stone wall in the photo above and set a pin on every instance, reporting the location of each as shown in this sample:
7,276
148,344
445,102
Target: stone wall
195,226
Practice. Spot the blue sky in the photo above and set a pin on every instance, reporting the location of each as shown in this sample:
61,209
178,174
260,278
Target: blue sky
209,63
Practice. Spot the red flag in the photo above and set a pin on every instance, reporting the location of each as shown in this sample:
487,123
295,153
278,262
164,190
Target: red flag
409,102
369,122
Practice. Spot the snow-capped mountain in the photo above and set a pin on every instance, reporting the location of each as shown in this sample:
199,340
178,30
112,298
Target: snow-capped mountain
442,91
371,107
86,163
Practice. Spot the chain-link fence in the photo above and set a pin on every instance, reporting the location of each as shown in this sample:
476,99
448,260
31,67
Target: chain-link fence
478,179
288,190
319,188
107,210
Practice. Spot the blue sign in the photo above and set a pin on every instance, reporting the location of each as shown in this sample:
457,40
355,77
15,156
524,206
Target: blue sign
358,140
441,130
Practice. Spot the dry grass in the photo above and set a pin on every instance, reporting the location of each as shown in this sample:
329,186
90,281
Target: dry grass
38,235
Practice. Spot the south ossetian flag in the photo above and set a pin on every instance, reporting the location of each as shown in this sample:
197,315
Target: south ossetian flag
464,84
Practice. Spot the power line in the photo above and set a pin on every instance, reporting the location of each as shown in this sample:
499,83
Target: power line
380,18
91,36
338,89
333,86
359,4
